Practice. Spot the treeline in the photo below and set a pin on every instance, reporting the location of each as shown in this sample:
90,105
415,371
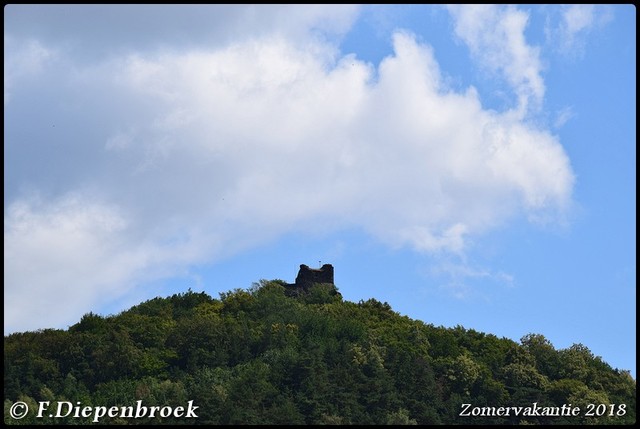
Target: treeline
259,356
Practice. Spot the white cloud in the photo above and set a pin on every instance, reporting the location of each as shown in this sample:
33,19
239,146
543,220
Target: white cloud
495,37
578,17
563,116
238,145
59,258
23,59
456,274
63,257
93,31
569,26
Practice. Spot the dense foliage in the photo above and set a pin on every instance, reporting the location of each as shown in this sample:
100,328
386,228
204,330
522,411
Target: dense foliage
259,356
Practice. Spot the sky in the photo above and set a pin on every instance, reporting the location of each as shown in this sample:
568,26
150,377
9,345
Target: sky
469,165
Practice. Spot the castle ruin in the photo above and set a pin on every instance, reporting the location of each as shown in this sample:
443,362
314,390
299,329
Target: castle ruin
307,277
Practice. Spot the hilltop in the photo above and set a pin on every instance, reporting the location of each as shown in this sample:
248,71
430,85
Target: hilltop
269,356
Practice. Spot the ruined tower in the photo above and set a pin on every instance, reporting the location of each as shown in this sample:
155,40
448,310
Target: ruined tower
308,276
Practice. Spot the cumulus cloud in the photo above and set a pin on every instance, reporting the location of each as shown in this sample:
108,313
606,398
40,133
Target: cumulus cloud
57,254
65,256
495,36
239,144
340,140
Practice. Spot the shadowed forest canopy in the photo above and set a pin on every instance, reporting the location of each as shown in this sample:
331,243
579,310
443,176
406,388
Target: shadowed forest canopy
262,356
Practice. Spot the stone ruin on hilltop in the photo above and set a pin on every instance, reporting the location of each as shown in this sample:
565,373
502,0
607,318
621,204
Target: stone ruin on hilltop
307,277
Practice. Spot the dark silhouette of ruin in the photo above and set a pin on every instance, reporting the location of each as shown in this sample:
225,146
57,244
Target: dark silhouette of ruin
307,277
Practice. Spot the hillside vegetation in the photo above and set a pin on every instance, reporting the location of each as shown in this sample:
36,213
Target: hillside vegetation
260,356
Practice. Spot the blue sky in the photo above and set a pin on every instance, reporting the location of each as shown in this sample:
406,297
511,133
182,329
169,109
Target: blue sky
471,166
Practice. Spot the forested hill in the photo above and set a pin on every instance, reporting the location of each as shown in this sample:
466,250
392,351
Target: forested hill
264,356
